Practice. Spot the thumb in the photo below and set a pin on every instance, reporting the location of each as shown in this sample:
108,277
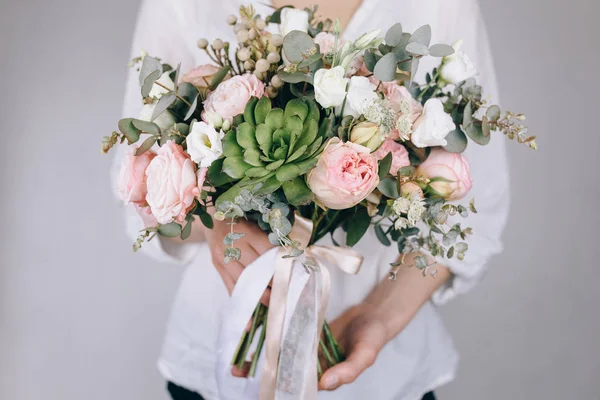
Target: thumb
361,357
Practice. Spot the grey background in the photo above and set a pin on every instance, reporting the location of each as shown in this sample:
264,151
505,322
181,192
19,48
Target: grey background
81,316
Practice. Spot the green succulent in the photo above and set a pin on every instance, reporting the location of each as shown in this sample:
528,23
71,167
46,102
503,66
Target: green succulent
273,148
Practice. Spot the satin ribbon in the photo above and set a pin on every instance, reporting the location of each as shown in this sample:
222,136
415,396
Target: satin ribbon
299,297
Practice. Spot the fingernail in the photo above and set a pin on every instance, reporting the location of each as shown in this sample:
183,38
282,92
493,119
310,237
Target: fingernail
331,382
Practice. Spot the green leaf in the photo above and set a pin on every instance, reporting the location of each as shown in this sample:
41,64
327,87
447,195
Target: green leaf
269,186
164,102
170,230
257,172
486,127
461,247
417,48
297,153
422,35
252,157
475,132
297,192
393,37
382,236
414,67
249,111
296,107
245,136
150,71
358,226
493,113
146,127
262,109
295,77
385,69
192,109
309,133
231,148
287,172
468,115
147,145
293,124
457,141
235,167
215,174
450,252
264,136
472,206
406,171
219,76
384,165
370,59
274,119
187,230
129,130
421,262
297,46
275,164
389,188
207,220
441,50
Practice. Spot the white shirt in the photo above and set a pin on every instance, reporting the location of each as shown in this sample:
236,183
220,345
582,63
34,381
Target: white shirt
422,357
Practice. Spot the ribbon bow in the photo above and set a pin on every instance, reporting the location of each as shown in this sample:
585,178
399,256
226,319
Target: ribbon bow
299,297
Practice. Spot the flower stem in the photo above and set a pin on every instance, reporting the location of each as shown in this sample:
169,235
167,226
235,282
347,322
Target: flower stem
335,349
326,353
259,346
176,95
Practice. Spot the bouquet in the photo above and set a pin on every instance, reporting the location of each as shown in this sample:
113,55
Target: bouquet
301,128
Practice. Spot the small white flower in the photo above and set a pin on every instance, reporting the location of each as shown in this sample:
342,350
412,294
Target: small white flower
384,117
204,143
416,210
457,67
401,205
361,94
213,119
432,127
401,223
293,20
404,126
330,86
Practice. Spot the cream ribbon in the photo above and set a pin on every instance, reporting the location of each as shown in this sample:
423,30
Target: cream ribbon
288,366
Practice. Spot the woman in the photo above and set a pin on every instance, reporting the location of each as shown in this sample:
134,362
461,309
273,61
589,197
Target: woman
397,346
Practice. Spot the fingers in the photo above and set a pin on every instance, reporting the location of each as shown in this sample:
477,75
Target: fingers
361,357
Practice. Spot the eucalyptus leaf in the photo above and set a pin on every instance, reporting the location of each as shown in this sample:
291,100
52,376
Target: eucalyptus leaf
441,50
422,35
192,109
417,48
457,141
358,226
150,71
164,102
129,130
297,46
385,69
475,132
146,127
493,113
384,165
394,35
370,59
406,171
146,145
172,229
414,67
381,235
295,77
389,188
187,230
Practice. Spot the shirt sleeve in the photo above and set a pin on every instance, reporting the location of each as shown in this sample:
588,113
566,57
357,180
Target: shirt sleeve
159,32
488,166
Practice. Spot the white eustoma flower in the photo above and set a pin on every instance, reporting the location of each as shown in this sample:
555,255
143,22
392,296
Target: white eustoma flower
164,121
293,20
330,86
361,94
457,67
157,91
204,143
432,127
366,39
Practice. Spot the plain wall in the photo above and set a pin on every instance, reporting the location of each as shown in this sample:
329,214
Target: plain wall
82,317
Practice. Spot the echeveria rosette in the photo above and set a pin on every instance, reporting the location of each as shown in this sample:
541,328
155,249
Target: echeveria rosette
273,148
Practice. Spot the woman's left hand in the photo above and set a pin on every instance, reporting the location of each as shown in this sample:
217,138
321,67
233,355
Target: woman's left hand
362,334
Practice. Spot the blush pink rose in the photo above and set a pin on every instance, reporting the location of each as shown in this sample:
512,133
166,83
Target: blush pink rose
396,95
326,42
410,189
132,178
172,184
399,155
201,76
452,168
345,174
231,96
201,175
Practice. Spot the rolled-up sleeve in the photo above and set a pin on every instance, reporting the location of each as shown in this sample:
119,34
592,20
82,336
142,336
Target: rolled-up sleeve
159,32
488,166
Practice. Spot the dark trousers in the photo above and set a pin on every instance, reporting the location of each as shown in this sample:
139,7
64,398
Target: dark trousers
179,393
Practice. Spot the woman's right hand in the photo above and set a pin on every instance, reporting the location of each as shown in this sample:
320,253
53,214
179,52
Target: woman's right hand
254,244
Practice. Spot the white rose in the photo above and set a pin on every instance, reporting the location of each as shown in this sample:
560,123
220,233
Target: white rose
330,86
158,91
361,94
293,20
204,143
164,121
457,67
432,127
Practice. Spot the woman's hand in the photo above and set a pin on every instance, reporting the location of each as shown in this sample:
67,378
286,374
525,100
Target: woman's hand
362,335
254,243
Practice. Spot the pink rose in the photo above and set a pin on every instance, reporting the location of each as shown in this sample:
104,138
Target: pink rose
132,178
399,155
401,101
326,42
231,96
201,174
410,188
345,174
452,168
201,76
172,184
